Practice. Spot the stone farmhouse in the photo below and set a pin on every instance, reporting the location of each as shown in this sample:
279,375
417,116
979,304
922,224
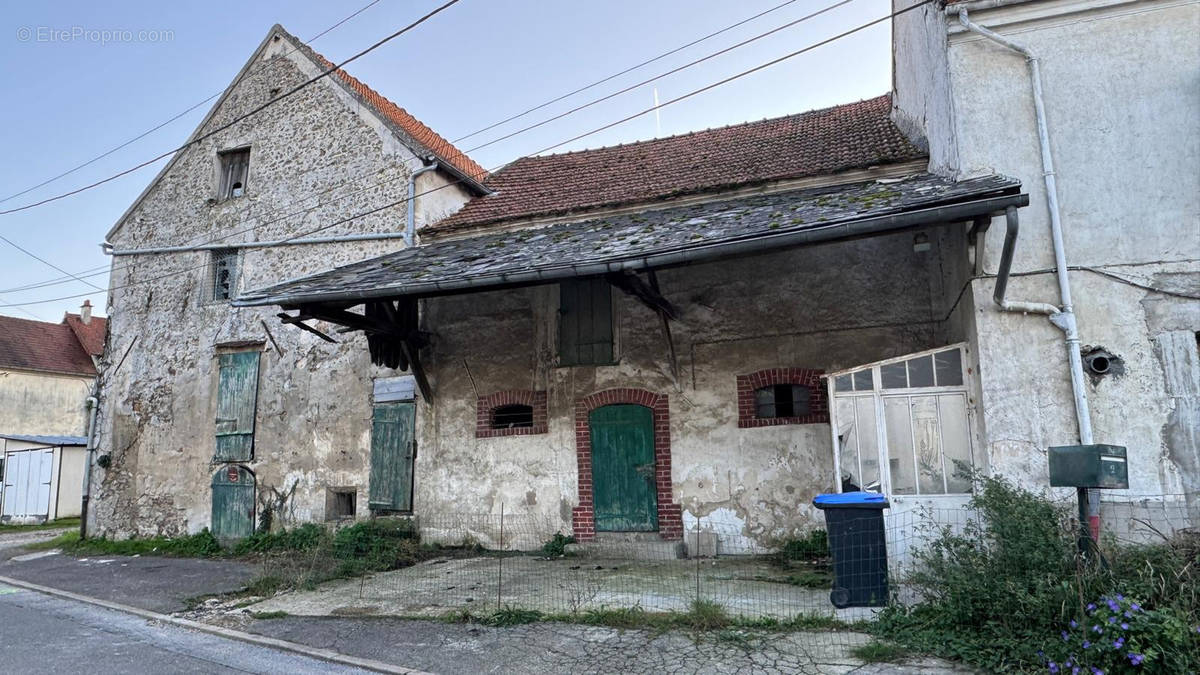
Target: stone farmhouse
720,324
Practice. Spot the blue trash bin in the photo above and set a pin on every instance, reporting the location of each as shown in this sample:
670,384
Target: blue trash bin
854,522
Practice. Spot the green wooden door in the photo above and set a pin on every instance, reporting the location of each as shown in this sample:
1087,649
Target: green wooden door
623,484
237,394
232,503
392,454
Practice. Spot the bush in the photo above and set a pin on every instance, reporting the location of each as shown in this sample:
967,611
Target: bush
374,545
813,546
999,594
303,538
557,545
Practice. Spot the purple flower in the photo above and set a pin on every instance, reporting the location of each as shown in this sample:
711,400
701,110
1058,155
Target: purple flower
1125,626
1086,644
1114,606
1112,619
1075,670
1136,659
1097,628
1064,636
1128,615
1120,597
1091,607
1135,607
1119,642
1075,624
1053,667
1097,671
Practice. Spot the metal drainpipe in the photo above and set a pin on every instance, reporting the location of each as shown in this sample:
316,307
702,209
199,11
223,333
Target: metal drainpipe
410,225
1064,318
93,405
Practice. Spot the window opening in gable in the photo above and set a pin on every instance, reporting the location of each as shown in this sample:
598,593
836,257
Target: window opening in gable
223,270
235,167
340,503
782,400
515,416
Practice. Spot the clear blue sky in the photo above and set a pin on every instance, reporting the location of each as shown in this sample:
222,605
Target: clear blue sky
71,97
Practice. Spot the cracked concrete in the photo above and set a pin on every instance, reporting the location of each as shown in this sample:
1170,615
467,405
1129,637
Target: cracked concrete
568,648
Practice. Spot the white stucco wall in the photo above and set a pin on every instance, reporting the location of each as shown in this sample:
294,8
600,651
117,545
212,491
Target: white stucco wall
1122,88
43,403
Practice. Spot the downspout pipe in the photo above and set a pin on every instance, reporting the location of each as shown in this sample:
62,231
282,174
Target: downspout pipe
1064,317
93,405
410,223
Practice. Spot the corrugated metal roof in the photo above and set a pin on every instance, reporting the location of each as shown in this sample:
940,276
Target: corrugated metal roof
47,440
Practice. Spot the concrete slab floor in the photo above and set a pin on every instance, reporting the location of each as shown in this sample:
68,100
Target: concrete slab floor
749,587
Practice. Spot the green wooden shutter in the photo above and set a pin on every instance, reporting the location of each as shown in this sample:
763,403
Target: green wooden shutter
232,503
392,455
237,394
585,327
623,468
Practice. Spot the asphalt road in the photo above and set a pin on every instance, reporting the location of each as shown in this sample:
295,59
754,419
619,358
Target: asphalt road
44,634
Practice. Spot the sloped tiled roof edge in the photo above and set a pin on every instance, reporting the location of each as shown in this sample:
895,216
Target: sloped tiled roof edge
42,347
417,131
820,142
90,334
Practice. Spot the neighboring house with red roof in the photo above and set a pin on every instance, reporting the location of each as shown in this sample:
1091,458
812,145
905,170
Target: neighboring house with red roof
47,372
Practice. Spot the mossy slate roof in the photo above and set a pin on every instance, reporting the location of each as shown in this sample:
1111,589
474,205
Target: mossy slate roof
622,242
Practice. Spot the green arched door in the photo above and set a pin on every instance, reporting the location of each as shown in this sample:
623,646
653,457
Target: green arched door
623,486
232,503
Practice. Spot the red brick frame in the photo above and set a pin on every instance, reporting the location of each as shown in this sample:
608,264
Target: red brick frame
818,404
486,404
670,515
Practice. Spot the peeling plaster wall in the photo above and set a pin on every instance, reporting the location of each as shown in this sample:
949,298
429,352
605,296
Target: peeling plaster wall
315,159
1120,82
824,307
43,403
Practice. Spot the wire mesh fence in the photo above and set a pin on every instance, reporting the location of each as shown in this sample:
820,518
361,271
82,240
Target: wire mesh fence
483,563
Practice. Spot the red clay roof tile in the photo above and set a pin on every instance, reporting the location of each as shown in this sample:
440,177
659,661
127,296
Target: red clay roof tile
444,149
819,142
90,334
42,346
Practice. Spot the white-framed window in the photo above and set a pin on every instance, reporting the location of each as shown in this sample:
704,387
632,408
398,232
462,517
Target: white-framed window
904,426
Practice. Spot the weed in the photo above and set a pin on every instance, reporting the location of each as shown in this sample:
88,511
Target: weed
279,614
623,617
557,545
879,652
512,616
460,616
705,615
813,546
200,545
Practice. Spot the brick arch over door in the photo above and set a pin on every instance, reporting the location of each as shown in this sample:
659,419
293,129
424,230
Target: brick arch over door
583,517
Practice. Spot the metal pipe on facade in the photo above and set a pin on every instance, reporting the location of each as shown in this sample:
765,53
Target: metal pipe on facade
410,223
333,239
93,405
1064,319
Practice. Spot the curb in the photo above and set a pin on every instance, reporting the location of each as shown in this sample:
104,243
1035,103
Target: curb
229,633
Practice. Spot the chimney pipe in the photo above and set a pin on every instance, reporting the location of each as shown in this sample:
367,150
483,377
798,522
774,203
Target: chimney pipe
85,312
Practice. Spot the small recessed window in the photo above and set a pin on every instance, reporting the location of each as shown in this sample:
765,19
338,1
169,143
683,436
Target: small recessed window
223,270
340,503
235,167
781,400
514,416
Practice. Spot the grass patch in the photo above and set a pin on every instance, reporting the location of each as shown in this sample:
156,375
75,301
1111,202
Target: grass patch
812,546
200,545
279,614
52,525
879,652
63,541
705,615
511,616
556,546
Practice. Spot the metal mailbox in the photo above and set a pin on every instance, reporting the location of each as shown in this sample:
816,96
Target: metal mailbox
1089,466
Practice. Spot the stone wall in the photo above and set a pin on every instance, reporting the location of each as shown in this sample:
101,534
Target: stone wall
316,158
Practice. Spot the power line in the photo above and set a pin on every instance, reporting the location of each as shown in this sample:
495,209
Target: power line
559,116
646,111
239,119
627,70
685,66
176,117
29,253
